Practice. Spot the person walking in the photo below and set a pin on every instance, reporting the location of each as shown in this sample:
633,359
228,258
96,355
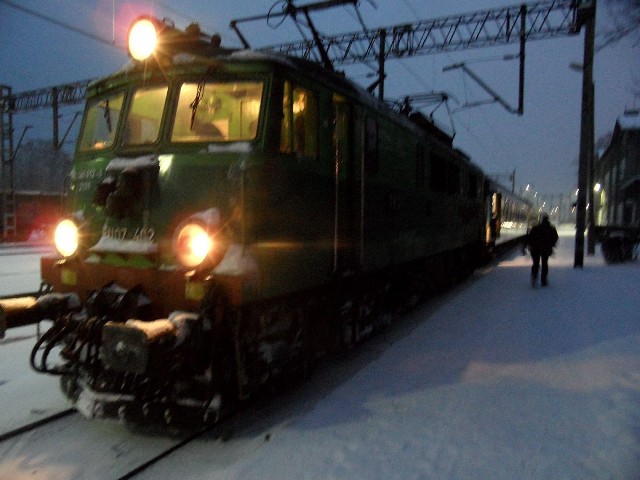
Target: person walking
541,239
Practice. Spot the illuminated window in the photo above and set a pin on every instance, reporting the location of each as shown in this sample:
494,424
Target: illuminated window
143,121
101,122
299,132
217,112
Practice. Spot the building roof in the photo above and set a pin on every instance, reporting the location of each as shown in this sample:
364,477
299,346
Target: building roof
630,120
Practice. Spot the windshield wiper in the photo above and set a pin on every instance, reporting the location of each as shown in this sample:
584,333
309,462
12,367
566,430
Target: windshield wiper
107,115
195,103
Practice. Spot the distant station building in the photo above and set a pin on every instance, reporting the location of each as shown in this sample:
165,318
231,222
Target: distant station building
617,175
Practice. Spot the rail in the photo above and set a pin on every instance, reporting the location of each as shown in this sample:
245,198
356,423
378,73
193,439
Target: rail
32,426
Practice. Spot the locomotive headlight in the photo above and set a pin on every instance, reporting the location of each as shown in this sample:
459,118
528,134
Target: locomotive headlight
66,238
142,39
193,244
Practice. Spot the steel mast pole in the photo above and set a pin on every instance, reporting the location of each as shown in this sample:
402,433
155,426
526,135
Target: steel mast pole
586,137
591,221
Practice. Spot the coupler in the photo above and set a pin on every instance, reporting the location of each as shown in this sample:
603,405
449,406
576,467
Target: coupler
20,311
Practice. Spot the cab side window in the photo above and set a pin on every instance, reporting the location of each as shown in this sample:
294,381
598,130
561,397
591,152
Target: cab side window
218,111
299,133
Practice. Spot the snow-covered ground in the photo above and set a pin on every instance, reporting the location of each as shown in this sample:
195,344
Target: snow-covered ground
495,380
20,268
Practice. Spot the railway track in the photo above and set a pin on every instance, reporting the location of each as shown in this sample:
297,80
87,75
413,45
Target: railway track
246,422
165,453
37,424
40,445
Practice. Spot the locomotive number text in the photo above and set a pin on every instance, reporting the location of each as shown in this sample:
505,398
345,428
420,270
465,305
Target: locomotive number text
144,234
141,234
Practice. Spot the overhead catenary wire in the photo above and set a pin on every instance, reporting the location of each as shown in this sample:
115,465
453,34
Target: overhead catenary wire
72,28
60,23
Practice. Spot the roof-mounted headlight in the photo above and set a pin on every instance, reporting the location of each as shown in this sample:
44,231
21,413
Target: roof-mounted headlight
143,38
150,36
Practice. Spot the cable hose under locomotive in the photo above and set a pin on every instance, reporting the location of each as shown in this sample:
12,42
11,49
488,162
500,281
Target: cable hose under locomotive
57,331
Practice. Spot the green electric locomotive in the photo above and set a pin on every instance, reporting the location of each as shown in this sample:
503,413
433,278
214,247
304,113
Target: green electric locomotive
232,215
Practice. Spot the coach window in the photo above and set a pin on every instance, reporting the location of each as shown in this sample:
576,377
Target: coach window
438,174
101,121
453,179
143,121
299,132
420,165
371,160
472,190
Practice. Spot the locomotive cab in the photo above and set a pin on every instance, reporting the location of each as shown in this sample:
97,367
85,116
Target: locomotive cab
154,225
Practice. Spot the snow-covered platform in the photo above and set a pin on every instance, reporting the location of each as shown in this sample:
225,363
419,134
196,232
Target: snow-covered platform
500,381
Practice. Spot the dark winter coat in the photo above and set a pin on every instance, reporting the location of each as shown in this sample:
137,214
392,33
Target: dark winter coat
542,238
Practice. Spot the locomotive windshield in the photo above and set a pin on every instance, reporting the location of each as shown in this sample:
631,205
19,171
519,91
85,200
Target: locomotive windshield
143,120
101,121
217,111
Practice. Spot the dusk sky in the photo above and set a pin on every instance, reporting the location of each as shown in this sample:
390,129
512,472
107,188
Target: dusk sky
541,146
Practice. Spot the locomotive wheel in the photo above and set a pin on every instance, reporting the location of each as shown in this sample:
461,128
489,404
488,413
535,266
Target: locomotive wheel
360,313
223,319
272,345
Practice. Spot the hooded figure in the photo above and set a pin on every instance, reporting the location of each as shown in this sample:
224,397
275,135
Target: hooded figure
541,240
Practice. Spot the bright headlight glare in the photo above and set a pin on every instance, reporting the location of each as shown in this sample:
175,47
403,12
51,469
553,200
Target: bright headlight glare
143,39
66,238
193,245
